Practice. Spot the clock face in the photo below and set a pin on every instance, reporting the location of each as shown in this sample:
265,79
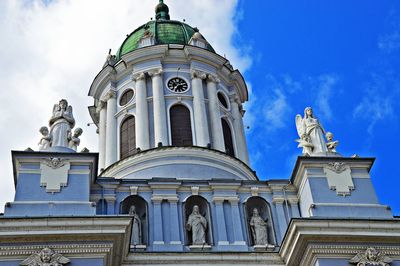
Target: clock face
177,85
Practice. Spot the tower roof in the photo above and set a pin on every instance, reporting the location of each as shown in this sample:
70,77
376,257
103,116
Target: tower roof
164,31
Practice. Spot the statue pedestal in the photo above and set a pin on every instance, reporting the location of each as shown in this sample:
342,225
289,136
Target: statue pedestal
138,247
199,247
267,247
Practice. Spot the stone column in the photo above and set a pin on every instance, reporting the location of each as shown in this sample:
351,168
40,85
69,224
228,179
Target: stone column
157,222
214,112
237,225
175,226
241,146
111,128
142,113
102,111
282,223
221,225
160,114
199,109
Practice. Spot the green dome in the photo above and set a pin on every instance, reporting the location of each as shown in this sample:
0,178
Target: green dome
163,30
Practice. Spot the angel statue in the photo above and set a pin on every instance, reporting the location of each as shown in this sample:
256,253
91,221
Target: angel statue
310,132
371,257
61,123
46,257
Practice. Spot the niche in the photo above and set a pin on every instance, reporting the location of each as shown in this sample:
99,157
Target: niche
204,211
264,211
141,212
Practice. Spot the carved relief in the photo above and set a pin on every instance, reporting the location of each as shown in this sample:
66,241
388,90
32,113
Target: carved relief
371,257
339,178
55,163
46,257
337,167
54,174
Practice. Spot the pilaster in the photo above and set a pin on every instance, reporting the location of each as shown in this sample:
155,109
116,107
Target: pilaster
200,116
160,117
102,111
111,128
142,113
214,112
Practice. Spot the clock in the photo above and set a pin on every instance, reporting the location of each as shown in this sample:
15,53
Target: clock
177,85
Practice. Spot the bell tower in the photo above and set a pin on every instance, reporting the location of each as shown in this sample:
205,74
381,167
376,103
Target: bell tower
167,89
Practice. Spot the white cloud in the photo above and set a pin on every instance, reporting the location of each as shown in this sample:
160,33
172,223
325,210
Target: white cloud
374,108
276,112
53,50
324,86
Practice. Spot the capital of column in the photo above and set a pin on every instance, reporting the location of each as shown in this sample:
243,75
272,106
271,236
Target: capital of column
100,105
235,99
160,198
110,94
198,74
139,76
221,199
293,200
155,72
212,78
278,200
110,198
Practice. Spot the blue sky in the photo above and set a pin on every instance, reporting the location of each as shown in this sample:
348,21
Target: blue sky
340,57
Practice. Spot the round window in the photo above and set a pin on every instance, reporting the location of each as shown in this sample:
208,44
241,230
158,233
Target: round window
126,97
222,100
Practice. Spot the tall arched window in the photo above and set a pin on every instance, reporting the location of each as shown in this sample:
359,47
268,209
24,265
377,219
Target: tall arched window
127,137
227,138
181,128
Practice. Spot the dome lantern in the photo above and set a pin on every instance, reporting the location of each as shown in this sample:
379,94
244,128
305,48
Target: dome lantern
162,11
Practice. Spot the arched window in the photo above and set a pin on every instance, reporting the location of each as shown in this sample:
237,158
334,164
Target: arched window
227,138
181,128
127,137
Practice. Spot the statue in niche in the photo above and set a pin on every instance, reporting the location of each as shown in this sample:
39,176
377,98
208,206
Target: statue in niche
371,257
331,144
136,238
45,141
46,257
74,140
61,123
198,225
308,127
258,229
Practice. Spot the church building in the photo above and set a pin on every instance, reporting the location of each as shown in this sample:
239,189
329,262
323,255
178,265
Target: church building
171,183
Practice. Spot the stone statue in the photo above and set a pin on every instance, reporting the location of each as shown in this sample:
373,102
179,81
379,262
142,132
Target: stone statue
258,229
331,145
74,140
371,257
61,122
310,126
305,143
46,257
45,141
136,238
198,225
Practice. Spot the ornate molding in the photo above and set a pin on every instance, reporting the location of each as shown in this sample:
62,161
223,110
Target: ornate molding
195,190
155,72
46,257
337,167
100,106
254,191
134,190
139,76
371,257
198,74
55,163
110,95
212,78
